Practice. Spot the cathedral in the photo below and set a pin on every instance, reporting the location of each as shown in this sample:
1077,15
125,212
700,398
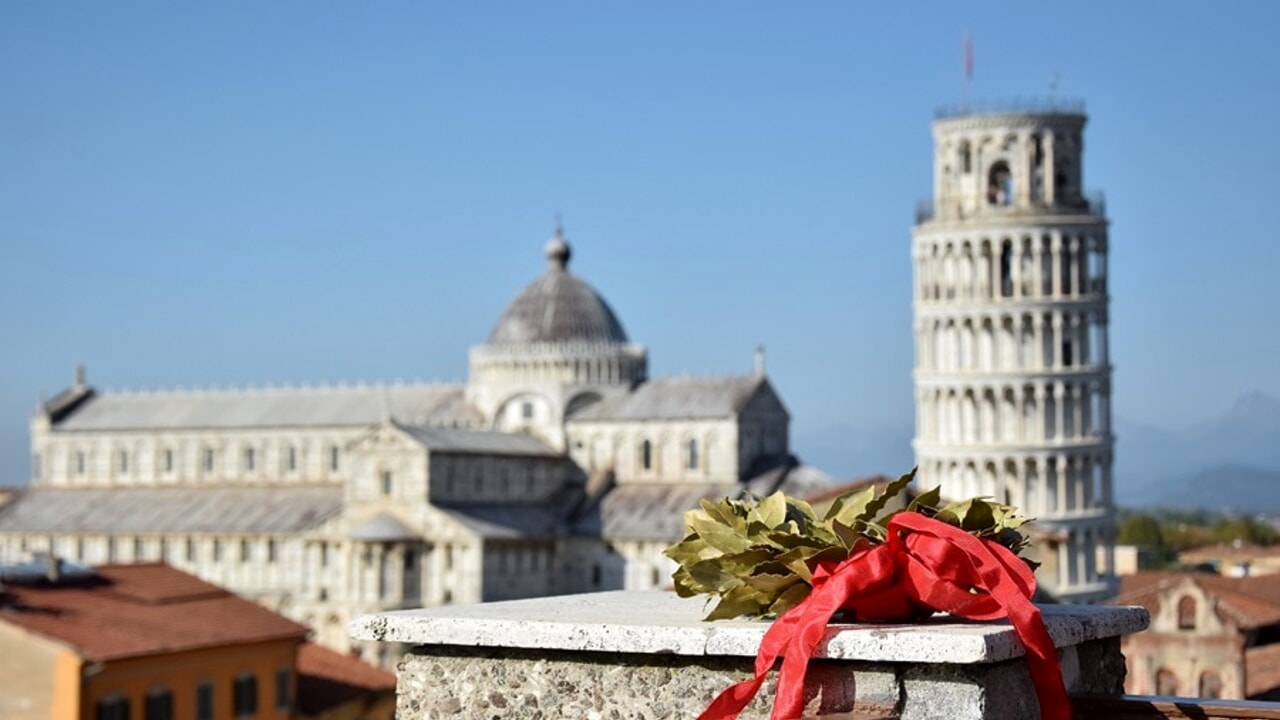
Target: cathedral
559,466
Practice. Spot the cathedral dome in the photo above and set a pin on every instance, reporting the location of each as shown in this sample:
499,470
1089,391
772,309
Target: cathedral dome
558,307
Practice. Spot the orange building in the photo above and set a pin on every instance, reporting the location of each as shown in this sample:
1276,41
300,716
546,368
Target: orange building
140,642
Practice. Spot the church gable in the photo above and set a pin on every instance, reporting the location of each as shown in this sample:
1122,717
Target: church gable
764,403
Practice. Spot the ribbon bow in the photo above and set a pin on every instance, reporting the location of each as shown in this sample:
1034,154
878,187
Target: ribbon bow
925,566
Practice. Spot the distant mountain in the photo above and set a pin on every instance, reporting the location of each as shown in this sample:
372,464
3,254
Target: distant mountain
1240,447
1224,488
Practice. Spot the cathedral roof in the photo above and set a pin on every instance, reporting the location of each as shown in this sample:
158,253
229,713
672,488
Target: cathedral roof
680,398
558,307
129,510
271,407
512,522
651,511
382,528
479,442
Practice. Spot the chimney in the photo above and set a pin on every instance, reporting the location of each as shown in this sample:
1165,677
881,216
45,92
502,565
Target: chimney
759,361
52,567
79,377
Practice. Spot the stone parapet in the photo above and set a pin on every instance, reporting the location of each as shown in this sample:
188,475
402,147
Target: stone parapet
649,655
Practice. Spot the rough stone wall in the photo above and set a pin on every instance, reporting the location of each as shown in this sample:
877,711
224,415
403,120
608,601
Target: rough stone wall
492,684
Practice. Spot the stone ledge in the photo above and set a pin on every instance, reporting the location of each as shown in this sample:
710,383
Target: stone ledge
661,623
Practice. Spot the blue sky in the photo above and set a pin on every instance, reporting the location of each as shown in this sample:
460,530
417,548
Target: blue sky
302,191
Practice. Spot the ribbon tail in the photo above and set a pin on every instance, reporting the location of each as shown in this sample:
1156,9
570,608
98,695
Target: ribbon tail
736,697
1042,658
729,703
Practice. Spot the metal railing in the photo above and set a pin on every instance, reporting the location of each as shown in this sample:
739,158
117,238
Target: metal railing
1126,707
1040,105
1146,707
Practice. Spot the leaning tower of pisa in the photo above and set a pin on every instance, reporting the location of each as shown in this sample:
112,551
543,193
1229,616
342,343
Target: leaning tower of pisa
1012,380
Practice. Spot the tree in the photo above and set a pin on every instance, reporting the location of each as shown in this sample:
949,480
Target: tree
1140,529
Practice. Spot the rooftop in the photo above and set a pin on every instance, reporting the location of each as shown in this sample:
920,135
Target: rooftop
324,406
1250,602
558,307
1048,105
220,509
679,398
122,611
328,679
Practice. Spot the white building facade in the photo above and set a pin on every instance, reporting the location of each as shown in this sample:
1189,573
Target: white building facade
1012,376
558,466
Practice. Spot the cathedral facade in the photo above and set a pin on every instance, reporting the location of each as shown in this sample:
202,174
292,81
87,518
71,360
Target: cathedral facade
558,466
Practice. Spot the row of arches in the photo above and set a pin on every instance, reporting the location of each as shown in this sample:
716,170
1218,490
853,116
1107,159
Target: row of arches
1210,685
203,458
1014,414
493,367
1010,167
1045,486
993,342
1050,265
1078,558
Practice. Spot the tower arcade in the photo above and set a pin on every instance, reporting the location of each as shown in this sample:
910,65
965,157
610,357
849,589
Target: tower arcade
1012,377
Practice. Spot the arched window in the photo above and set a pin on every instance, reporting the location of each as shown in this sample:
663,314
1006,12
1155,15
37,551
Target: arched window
1210,684
1186,614
1062,177
966,158
999,184
1006,269
646,455
691,455
1166,682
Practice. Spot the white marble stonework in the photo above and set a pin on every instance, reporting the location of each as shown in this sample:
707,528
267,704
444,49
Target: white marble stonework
661,622
1012,375
649,655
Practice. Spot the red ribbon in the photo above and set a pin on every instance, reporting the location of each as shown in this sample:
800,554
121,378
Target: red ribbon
925,566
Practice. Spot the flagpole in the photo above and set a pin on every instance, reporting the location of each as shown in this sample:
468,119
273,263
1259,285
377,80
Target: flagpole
968,68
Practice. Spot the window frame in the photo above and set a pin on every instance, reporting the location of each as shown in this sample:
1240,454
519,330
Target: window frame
284,688
158,704
204,700
244,695
112,707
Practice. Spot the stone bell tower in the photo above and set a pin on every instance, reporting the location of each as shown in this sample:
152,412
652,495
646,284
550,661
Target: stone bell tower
1012,378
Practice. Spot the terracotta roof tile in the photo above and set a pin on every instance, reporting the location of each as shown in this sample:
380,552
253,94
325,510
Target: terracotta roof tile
328,679
1249,602
136,610
1262,669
